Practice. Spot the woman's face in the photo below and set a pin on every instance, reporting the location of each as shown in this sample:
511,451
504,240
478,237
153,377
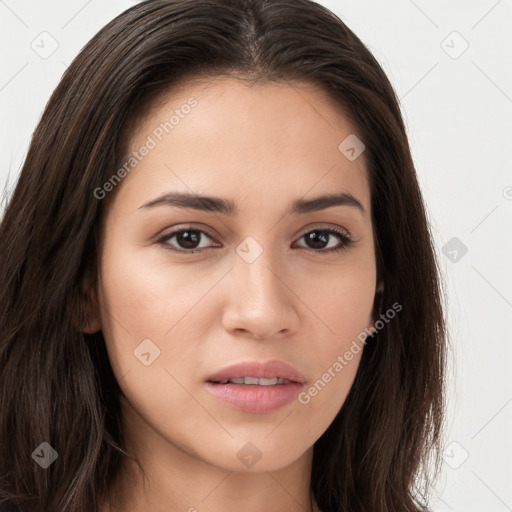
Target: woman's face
264,282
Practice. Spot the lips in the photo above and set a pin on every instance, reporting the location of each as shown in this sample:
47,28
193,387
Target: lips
253,371
256,387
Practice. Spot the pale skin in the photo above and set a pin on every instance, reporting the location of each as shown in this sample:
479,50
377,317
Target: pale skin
261,147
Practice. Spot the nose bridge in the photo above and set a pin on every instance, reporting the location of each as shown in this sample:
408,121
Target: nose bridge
260,300
258,269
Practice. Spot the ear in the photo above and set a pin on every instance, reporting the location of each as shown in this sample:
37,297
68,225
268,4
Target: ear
91,321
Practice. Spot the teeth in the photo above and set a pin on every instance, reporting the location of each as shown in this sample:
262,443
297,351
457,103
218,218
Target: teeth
254,381
267,382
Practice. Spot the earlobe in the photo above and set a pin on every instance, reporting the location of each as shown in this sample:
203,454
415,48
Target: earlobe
91,327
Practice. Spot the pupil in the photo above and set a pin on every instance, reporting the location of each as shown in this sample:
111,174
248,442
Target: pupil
188,239
315,238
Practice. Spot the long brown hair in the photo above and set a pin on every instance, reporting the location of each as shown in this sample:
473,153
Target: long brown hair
56,383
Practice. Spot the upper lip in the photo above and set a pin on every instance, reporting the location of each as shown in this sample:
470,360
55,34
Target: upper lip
259,369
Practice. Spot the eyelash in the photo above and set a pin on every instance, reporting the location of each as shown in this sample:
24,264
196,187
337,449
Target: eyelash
344,238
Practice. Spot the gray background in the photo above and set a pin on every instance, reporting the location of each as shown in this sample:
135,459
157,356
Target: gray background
457,105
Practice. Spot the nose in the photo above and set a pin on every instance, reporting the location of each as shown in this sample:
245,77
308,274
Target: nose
261,303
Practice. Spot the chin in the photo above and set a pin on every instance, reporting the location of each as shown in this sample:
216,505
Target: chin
257,454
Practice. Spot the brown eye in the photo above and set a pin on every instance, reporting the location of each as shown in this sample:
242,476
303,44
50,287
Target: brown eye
187,240
319,239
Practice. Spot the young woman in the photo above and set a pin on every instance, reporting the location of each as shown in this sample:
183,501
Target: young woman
218,288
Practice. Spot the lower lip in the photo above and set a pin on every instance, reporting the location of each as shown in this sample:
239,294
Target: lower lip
255,398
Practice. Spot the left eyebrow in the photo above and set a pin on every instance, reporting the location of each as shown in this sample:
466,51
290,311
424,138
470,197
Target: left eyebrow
228,207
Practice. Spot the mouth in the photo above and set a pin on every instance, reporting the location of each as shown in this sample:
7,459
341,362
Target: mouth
258,373
256,387
252,381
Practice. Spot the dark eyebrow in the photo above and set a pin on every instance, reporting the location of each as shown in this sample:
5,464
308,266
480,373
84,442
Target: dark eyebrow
228,207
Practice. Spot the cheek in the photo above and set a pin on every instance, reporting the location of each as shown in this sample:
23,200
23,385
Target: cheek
341,300
145,297
325,395
343,306
143,307
150,306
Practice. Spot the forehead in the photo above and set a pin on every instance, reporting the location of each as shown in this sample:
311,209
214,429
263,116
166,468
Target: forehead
229,138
